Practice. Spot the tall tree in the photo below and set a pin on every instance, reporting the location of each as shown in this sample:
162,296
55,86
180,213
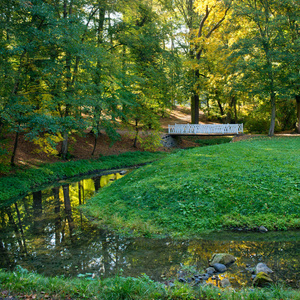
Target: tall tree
260,47
213,14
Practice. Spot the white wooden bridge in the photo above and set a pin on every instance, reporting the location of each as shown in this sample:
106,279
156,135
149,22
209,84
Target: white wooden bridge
205,129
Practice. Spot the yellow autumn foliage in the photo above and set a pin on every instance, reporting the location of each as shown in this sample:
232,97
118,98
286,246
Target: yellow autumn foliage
47,143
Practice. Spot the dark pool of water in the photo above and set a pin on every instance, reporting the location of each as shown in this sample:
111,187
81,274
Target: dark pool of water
46,233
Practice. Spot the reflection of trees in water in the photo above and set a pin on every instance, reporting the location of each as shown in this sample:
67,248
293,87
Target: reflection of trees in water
45,232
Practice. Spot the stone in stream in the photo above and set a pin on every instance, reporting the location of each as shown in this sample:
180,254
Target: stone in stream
262,279
168,141
225,283
205,276
261,267
219,267
262,229
222,258
210,270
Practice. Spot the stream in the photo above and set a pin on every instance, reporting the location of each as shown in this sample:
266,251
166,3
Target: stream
46,233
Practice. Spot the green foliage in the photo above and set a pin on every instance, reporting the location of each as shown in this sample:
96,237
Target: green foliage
97,62
256,123
150,141
245,184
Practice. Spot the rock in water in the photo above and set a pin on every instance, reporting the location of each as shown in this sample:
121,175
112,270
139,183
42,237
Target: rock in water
262,279
220,267
262,229
222,258
210,270
225,283
261,267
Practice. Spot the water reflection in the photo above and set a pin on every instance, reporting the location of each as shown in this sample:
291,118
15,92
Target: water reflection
44,232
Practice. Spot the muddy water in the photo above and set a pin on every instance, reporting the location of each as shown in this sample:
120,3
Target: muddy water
46,233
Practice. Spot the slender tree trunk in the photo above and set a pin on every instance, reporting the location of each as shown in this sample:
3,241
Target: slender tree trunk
95,143
298,113
37,212
136,133
68,208
21,227
221,109
79,192
15,227
273,114
64,145
12,160
97,183
235,111
57,223
232,106
195,108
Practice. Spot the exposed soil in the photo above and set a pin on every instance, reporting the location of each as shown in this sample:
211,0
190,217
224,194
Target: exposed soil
81,147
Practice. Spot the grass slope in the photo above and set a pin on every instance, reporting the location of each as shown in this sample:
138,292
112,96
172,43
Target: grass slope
12,187
245,184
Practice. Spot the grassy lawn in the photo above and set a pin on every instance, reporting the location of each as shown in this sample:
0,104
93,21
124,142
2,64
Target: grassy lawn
245,184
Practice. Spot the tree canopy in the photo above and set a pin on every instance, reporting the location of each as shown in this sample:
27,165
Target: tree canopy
70,66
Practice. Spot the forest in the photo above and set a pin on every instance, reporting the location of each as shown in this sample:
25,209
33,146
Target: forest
67,66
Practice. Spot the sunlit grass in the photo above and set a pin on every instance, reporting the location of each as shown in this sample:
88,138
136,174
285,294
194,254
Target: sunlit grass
237,185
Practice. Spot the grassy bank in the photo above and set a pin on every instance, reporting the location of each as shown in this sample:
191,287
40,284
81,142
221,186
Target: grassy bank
21,285
237,185
12,187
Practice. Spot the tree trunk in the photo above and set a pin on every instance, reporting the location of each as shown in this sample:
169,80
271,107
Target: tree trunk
68,208
298,113
15,227
195,108
221,109
12,160
21,227
231,110
57,224
37,212
64,145
79,192
273,115
136,133
235,111
97,183
95,144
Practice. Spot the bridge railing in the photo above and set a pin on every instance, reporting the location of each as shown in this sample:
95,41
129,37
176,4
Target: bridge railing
206,129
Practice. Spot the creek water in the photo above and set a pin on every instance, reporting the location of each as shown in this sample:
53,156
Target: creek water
46,233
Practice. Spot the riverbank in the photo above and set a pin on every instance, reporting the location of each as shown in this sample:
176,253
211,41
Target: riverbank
237,186
23,181
24,285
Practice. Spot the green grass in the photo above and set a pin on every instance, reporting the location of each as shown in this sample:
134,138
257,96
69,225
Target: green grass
22,284
12,187
244,184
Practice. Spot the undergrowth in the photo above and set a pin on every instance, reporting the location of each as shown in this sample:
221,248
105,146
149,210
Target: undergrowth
22,284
